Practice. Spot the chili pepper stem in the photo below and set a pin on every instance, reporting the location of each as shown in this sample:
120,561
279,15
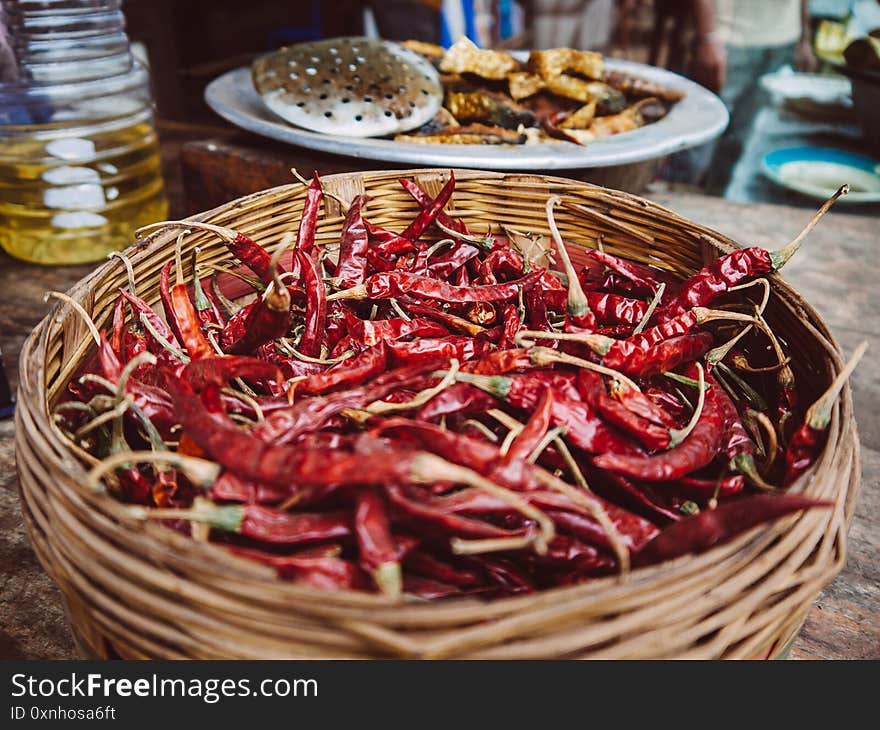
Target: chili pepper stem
79,309
818,415
542,356
490,545
389,578
704,315
496,385
780,258
717,354
200,472
576,304
484,242
378,407
600,344
428,469
145,321
355,292
745,465
129,270
649,312
227,517
676,435
772,441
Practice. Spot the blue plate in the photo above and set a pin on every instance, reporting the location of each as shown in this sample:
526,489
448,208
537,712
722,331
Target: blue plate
817,172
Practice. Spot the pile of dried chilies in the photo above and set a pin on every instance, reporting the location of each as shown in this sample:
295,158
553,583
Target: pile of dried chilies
431,412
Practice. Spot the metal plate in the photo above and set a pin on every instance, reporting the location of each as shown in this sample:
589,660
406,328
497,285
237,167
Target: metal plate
357,87
699,117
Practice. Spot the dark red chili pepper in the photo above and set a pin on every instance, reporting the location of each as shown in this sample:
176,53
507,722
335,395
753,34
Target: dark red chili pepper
370,332
707,488
643,406
316,306
220,370
616,309
389,284
713,526
643,279
591,387
428,566
142,309
583,428
459,347
371,362
352,266
535,429
268,320
378,552
432,518
324,571
266,524
118,326
308,223
429,214
250,253
165,296
660,358
449,320
453,261
217,309
512,324
387,243
697,450
426,202
458,398
500,362
230,487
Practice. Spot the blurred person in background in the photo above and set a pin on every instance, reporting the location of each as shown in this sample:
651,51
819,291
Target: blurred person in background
734,43
582,24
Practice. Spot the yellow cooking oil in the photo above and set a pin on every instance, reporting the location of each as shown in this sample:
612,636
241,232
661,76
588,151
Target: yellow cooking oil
71,194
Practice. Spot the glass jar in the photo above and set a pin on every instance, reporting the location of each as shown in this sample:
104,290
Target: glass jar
79,158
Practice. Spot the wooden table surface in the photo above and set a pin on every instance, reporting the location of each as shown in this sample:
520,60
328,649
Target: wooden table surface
837,271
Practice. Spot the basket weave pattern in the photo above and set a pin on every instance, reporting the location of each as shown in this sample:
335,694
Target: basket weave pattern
138,590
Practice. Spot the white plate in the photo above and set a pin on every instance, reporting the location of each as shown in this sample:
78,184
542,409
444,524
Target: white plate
809,92
699,117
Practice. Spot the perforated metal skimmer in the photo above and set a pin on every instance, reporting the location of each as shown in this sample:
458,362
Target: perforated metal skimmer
358,87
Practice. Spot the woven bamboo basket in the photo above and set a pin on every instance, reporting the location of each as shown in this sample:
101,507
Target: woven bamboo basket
137,590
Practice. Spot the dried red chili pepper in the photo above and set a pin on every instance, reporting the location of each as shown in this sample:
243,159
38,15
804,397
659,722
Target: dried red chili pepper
351,268
264,524
118,331
324,571
452,346
376,547
425,202
429,214
696,451
535,429
308,222
390,284
370,332
583,428
371,362
387,243
316,306
614,309
713,526
591,387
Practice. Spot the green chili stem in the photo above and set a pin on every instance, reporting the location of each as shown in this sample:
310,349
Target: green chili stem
679,435
780,258
818,415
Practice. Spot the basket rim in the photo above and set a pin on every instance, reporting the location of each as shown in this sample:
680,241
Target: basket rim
670,571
